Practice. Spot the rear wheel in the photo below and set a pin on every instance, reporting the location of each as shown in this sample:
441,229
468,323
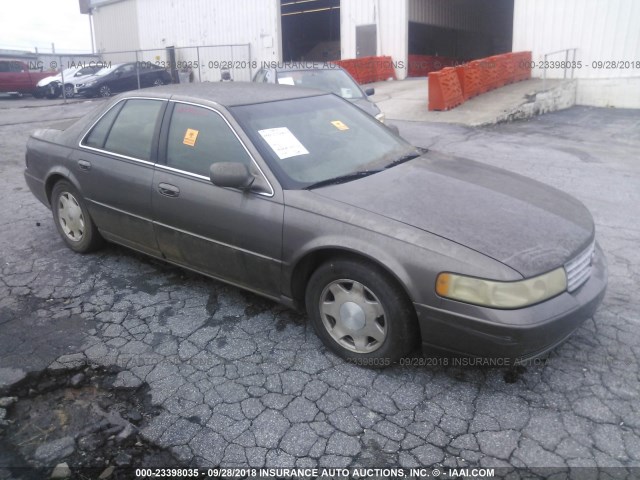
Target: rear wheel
69,91
104,91
158,82
72,219
360,313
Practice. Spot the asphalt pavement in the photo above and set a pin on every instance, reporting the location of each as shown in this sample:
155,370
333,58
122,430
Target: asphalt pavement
241,381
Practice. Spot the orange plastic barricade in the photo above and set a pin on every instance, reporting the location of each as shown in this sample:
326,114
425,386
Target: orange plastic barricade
501,70
523,66
469,78
483,67
444,90
385,69
511,64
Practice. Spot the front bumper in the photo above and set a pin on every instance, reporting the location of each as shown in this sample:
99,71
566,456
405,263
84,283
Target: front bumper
512,334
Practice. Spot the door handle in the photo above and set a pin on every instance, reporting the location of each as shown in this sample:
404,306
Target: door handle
168,190
84,165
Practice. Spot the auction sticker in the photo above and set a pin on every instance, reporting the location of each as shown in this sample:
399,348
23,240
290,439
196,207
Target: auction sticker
339,125
190,137
283,142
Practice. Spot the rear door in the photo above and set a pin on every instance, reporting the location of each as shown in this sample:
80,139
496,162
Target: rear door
124,79
114,166
227,233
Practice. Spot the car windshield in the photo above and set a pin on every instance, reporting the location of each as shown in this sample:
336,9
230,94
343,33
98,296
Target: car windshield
317,140
331,80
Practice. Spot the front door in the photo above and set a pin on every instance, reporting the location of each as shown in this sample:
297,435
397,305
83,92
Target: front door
227,233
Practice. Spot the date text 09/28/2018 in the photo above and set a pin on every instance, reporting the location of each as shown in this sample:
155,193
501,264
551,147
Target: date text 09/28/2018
579,64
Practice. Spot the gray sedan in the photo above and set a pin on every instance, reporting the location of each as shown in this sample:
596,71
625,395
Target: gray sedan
322,76
301,197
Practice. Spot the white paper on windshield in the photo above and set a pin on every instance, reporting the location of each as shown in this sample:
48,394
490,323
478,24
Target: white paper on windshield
286,81
283,142
346,93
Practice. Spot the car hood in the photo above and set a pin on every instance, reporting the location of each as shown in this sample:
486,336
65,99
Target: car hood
48,80
528,226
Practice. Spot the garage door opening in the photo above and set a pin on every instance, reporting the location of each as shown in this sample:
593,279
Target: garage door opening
310,30
460,29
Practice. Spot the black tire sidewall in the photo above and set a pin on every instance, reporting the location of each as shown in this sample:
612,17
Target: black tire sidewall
91,239
402,326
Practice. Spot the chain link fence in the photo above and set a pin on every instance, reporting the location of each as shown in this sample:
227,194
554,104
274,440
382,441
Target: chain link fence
203,63
148,67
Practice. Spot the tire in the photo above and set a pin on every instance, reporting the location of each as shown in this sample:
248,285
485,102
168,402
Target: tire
158,82
69,90
52,91
104,91
360,313
72,219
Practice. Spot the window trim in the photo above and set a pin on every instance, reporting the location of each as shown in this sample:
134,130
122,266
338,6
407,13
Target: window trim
119,155
233,130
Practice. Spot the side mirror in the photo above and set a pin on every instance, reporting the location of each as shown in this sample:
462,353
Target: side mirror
370,91
231,174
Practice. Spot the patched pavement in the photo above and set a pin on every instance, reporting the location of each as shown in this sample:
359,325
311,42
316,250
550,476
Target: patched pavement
242,381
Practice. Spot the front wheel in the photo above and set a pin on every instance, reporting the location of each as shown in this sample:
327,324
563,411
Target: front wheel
52,91
360,313
72,219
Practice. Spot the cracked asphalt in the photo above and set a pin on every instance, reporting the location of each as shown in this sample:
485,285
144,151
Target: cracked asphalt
244,382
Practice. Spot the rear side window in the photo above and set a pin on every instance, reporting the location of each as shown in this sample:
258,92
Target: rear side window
99,132
131,133
199,137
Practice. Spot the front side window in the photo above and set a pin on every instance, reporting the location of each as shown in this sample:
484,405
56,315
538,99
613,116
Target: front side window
199,137
131,133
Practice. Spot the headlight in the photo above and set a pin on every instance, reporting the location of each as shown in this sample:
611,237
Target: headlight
380,117
491,293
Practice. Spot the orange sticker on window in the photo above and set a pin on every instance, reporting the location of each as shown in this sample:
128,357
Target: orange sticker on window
339,125
190,137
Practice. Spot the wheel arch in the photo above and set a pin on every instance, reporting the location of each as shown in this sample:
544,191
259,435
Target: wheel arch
54,177
304,267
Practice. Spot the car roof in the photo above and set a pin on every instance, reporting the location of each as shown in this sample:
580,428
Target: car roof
228,94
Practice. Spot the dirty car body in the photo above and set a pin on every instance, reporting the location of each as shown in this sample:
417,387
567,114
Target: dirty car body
300,197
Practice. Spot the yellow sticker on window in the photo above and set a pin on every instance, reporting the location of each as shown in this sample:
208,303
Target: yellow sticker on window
339,125
190,137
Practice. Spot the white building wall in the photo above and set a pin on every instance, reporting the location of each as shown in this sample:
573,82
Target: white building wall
116,29
157,24
390,16
602,31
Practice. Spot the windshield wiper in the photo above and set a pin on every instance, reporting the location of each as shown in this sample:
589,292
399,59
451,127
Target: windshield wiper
341,179
407,157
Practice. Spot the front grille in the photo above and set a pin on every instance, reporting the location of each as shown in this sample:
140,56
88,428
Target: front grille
579,269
